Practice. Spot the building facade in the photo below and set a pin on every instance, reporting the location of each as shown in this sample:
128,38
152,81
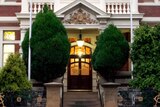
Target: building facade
86,17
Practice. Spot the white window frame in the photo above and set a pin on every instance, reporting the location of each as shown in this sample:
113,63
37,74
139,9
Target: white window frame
3,62
2,42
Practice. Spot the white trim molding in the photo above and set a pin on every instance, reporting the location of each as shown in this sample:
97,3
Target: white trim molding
149,4
151,19
4,3
9,28
8,19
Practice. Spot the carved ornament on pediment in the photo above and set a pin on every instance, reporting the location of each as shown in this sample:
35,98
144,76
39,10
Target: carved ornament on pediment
80,17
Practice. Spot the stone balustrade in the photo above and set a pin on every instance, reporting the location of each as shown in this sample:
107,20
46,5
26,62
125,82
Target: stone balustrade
37,5
112,6
122,6
118,7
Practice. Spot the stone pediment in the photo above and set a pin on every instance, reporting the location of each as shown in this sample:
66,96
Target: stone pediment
81,12
80,16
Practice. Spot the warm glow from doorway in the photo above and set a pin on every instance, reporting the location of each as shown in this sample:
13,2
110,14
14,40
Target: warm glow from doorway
80,43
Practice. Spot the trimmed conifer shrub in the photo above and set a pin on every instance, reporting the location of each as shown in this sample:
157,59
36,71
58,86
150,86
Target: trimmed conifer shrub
145,55
111,52
50,47
13,76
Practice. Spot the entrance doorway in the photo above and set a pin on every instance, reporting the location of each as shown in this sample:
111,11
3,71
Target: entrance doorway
79,68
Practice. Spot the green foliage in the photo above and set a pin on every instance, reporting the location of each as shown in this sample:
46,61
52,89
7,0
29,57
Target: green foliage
13,75
145,55
49,47
111,52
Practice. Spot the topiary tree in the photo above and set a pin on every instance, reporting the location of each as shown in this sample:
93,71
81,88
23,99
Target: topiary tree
13,75
50,47
111,52
145,55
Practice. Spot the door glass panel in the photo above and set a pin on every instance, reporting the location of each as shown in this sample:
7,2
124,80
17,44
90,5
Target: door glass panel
74,69
85,69
72,60
72,51
88,51
87,60
83,59
76,60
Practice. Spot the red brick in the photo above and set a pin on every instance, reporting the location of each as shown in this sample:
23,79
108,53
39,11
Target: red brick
150,11
9,24
9,10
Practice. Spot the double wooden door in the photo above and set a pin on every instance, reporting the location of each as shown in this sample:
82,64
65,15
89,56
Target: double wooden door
79,69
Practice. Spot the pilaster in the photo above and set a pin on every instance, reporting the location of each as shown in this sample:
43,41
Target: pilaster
56,5
23,31
134,6
103,5
24,6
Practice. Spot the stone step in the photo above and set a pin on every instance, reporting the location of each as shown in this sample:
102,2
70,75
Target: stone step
81,99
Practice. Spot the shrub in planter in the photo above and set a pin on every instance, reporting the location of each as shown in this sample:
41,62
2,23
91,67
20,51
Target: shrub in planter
146,59
111,52
13,78
50,47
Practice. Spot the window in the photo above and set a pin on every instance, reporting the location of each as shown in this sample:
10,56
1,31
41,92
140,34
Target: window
9,36
7,50
10,44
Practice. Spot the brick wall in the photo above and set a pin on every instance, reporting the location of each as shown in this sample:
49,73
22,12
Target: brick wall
9,10
150,11
9,24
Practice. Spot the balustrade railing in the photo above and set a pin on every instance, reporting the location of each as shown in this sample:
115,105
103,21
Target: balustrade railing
37,5
118,7
112,6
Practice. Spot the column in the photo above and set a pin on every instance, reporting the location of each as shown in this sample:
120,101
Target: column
23,31
134,6
1,44
103,5
24,6
56,5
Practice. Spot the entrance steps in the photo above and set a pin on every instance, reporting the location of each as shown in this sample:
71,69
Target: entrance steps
81,99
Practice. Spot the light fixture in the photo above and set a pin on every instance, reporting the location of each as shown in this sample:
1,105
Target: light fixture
80,42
